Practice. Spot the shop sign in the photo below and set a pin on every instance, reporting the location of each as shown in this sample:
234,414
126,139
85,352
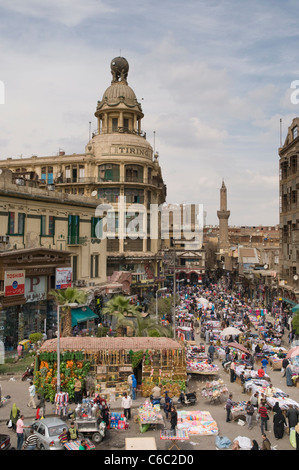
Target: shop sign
14,283
63,278
36,288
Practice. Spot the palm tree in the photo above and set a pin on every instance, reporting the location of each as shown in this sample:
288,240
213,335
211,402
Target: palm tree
121,308
149,327
67,296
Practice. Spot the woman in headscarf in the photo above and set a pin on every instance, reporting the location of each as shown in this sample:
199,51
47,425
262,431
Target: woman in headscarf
255,445
279,423
14,416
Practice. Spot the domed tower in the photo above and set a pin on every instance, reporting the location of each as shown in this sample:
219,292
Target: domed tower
126,169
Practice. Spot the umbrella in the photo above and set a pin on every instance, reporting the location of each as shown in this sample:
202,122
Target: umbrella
230,331
202,300
293,352
239,346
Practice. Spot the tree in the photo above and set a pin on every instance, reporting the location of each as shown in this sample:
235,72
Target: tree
64,297
149,327
121,308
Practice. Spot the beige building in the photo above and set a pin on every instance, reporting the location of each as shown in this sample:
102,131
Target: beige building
289,212
41,231
119,165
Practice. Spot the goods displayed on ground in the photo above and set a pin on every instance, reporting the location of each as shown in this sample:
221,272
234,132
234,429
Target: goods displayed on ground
201,367
75,444
214,390
197,423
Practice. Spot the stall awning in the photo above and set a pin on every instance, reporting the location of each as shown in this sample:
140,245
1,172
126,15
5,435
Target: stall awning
294,309
82,314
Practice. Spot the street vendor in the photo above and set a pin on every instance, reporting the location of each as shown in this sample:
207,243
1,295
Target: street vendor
77,390
156,392
72,434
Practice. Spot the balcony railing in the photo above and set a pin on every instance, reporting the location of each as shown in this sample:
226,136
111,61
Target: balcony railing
119,130
76,240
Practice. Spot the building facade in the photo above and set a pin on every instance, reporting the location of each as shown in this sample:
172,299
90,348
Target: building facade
119,170
289,211
40,231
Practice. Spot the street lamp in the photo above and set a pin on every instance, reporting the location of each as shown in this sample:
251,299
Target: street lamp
162,289
70,305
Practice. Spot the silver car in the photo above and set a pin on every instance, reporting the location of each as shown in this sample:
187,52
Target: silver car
48,430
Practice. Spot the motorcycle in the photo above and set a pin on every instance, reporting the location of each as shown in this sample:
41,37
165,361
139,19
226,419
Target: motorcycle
28,374
155,401
187,398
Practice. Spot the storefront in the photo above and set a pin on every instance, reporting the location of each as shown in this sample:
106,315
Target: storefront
28,310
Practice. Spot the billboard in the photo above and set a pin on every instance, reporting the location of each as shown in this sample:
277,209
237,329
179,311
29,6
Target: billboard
63,278
14,283
36,288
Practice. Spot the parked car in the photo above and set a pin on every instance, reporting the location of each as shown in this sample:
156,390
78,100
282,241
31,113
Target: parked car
4,442
48,430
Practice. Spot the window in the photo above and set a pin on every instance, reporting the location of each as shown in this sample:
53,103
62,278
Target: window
96,227
108,172
94,266
73,229
134,196
111,194
47,225
295,132
16,223
134,173
114,124
47,175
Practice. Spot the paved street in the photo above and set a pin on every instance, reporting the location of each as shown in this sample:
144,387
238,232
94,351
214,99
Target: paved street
116,439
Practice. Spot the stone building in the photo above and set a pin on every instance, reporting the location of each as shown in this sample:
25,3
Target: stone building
41,231
289,212
118,168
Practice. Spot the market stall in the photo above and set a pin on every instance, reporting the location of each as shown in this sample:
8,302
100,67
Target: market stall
214,391
197,423
174,437
148,415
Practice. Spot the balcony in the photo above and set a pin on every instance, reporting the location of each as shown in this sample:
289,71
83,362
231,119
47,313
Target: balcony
119,130
76,240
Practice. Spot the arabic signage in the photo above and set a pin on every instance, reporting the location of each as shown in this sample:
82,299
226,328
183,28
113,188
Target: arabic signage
14,283
36,288
63,278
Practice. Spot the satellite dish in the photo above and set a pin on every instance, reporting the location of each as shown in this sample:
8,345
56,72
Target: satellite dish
94,193
295,277
265,266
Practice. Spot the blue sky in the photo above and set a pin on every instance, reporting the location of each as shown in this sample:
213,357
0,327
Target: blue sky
213,79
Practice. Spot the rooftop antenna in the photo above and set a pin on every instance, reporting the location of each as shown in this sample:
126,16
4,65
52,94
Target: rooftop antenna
280,132
89,131
154,142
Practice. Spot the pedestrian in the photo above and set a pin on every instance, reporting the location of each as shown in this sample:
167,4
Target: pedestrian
297,436
78,391
19,429
285,363
126,403
279,422
289,373
83,445
72,434
134,387
173,418
232,371
263,412
243,381
255,445
31,441
261,372
14,416
211,352
228,407
265,362
41,408
254,399
292,416
266,445
32,395
130,381
63,437
249,414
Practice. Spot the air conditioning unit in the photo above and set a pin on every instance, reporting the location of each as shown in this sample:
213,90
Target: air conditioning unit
4,239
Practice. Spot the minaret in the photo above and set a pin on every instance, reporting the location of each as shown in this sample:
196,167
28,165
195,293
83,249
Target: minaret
223,215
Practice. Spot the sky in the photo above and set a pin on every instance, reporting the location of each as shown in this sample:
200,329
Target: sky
213,78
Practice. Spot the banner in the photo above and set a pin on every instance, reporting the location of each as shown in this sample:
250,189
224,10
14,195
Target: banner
63,278
14,283
36,288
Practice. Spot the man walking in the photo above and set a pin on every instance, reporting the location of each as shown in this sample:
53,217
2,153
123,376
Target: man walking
126,403
32,395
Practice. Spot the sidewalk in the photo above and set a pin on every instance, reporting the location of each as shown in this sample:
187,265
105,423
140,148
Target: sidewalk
18,391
